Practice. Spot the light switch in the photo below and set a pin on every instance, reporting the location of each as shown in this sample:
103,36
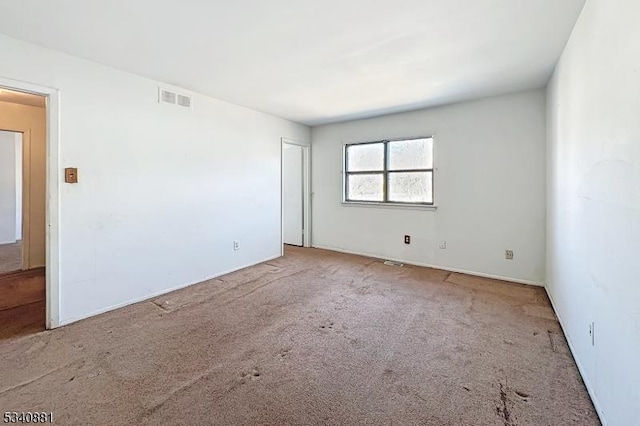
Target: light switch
71,175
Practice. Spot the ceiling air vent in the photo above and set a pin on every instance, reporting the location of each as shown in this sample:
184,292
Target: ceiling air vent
184,101
168,97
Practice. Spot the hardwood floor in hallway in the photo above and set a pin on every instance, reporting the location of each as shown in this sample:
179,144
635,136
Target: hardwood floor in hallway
22,303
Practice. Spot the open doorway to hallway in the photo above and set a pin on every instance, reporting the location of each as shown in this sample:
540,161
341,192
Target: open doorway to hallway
23,127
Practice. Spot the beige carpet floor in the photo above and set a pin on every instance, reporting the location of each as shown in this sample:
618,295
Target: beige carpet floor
314,338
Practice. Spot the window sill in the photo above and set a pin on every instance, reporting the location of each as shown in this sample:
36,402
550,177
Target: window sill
389,205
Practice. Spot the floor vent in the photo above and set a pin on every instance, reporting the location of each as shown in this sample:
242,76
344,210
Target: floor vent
393,263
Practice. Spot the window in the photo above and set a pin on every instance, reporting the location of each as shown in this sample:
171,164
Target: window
396,171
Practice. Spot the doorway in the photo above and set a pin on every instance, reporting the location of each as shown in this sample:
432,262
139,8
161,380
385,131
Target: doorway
295,193
23,203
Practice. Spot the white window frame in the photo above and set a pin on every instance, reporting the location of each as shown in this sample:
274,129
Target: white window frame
385,172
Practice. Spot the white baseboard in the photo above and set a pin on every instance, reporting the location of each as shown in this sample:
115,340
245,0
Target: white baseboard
160,293
444,268
590,389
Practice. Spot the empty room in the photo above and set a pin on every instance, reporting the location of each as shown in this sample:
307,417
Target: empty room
410,212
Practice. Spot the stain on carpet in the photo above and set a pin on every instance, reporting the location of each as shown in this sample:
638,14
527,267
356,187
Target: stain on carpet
502,409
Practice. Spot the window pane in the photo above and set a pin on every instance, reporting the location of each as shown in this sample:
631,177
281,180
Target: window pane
365,157
411,154
415,187
365,187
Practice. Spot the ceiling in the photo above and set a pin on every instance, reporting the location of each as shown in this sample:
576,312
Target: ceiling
21,98
312,61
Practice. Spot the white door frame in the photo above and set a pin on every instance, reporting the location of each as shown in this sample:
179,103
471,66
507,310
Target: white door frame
52,193
306,190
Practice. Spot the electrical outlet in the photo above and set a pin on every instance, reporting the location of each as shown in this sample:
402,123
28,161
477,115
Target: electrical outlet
508,254
236,245
592,333
443,244
407,239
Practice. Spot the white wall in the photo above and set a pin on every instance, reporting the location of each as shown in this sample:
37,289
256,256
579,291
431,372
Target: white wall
489,189
162,191
18,141
7,188
594,202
